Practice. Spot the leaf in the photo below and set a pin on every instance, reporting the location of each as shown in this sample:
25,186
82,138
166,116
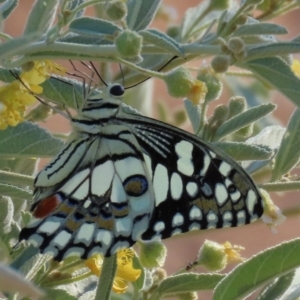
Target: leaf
194,113
7,7
243,119
15,178
141,13
293,293
15,192
288,153
242,151
41,16
162,41
88,296
27,254
278,287
278,74
33,265
260,28
92,26
28,140
258,270
184,283
59,294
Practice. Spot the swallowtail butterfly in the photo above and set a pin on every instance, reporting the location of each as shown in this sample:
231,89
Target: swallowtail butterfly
124,177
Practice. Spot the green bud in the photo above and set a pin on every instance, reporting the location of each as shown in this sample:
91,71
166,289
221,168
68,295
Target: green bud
116,10
212,256
180,117
173,31
219,116
242,19
213,84
27,66
219,4
129,44
220,63
152,254
236,105
179,82
188,296
236,45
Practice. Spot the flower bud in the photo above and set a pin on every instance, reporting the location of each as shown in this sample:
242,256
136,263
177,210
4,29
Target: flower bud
152,254
129,44
236,45
179,82
116,10
220,63
27,66
39,113
188,296
173,31
236,106
213,84
219,4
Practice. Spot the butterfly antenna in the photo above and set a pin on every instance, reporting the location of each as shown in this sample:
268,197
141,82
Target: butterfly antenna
98,74
173,58
66,115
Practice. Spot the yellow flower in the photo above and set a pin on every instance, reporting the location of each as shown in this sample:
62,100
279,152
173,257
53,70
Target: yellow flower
125,272
233,252
198,92
14,98
17,95
295,67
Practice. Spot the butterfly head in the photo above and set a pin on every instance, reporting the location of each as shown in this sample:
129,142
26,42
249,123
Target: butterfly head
103,104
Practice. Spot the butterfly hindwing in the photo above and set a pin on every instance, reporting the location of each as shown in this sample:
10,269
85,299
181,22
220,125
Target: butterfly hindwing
104,204
196,186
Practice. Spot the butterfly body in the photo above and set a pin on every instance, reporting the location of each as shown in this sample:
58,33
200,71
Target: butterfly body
123,178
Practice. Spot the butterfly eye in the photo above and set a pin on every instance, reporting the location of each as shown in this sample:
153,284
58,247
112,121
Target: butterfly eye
117,90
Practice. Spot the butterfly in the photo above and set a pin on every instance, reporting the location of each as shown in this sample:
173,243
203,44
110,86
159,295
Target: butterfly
124,177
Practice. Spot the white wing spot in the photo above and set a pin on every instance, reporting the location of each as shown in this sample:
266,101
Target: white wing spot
212,219
102,177
225,168
227,216
177,220
194,226
206,163
192,189
85,234
212,154
241,217
195,213
160,184
104,236
87,203
74,251
176,186
78,180
118,194
235,195
50,225
129,166
176,231
221,193
184,163
123,226
159,226
62,239
251,201
36,240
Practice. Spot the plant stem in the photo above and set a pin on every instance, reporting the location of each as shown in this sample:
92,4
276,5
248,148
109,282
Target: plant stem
106,279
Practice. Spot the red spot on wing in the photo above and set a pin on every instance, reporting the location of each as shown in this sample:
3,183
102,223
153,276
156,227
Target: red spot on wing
46,206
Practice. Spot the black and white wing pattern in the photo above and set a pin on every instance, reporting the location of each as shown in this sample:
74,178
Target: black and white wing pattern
124,178
196,186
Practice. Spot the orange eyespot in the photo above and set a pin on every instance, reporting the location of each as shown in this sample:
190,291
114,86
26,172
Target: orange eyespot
46,206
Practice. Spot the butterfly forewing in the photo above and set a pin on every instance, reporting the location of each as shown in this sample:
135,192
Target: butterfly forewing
124,177
196,186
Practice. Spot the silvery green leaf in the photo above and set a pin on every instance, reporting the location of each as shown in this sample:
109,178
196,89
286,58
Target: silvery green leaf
141,13
28,140
88,296
92,26
71,5
195,20
59,294
293,293
83,39
194,113
161,40
245,118
260,29
277,288
6,213
15,178
278,74
241,151
288,154
41,16
15,192
7,7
